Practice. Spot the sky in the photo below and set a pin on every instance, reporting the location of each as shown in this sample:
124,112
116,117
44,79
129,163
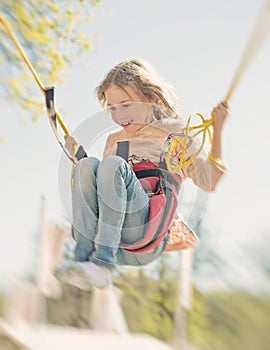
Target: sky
196,46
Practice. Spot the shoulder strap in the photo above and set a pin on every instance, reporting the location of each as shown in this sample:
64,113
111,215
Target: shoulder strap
123,149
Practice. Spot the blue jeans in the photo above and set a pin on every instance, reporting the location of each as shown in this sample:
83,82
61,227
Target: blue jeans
109,207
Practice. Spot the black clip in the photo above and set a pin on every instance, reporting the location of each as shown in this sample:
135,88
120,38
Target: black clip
49,97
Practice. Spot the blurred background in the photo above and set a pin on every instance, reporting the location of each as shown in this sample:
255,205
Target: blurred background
196,46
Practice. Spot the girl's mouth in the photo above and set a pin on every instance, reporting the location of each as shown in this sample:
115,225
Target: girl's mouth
126,124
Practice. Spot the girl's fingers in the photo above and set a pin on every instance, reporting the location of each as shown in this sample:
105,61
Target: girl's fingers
224,104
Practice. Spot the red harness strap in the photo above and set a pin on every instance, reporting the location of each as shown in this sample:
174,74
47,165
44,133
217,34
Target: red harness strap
162,187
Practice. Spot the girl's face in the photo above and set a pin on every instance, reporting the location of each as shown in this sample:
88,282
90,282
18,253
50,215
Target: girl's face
127,108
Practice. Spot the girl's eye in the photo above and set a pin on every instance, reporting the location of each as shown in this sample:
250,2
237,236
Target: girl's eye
112,109
126,105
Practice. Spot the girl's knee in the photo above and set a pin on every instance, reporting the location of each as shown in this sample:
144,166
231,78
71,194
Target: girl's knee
86,169
110,165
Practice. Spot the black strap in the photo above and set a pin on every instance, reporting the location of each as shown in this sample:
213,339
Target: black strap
81,153
157,172
122,149
49,99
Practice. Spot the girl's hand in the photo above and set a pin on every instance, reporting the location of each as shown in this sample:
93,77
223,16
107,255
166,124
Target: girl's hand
71,144
219,114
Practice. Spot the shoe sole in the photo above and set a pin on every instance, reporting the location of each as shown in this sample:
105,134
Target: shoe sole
74,276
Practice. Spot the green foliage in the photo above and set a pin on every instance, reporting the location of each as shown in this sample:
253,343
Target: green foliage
224,320
53,34
198,330
231,320
148,303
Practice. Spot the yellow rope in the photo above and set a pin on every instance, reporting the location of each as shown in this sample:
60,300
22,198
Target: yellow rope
181,142
12,36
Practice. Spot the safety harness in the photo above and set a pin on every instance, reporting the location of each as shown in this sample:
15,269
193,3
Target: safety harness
162,189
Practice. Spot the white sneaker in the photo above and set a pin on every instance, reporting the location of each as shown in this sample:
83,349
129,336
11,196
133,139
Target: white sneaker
84,275
98,275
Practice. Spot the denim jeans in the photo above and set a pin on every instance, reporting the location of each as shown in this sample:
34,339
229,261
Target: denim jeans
109,207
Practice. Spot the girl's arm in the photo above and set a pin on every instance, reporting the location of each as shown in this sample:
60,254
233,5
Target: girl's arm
219,113
206,173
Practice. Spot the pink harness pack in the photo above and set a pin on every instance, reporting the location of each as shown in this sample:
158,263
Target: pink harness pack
162,188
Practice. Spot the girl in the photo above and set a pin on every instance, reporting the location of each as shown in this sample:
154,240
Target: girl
111,206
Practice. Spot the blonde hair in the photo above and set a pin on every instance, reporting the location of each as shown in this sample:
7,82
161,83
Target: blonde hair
146,82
